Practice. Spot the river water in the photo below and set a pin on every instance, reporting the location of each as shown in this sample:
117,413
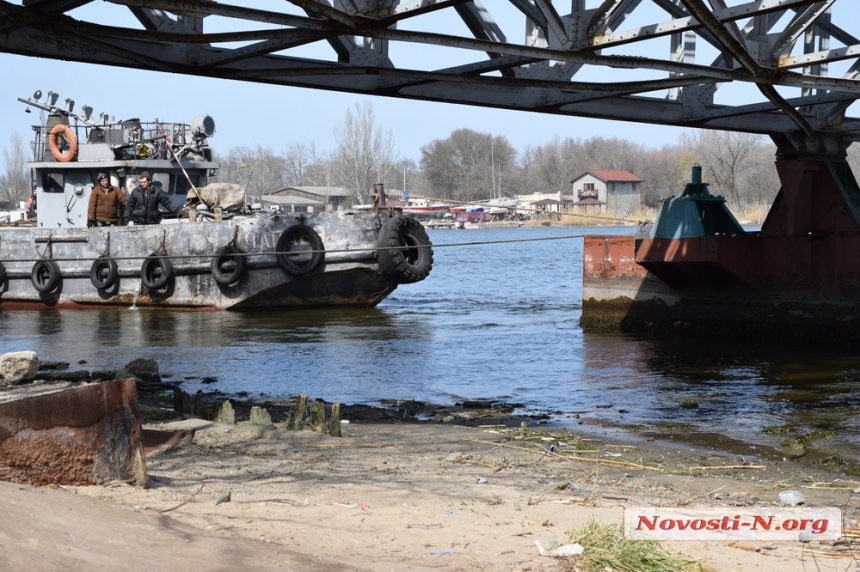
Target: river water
498,319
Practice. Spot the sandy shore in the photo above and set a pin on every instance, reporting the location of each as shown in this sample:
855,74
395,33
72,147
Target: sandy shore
411,496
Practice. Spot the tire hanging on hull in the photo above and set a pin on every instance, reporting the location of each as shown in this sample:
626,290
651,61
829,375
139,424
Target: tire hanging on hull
404,253
104,272
156,271
228,265
45,276
297,261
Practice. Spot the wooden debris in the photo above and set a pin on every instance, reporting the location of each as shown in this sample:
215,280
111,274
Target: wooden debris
574,458
333,425
313,417
260,416
225,414
298,418
186,501
727,467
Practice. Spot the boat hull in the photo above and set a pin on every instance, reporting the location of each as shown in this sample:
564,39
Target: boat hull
723,287
797,280
349,274
431,212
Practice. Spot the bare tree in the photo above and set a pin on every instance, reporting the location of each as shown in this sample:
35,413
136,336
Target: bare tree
259,169
403,175
320,170
469,166
298,158
364,155
15,182
611,154
760,184
725,157
447,167
555,164
660,171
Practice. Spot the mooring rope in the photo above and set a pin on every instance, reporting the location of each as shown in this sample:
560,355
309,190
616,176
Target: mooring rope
307,252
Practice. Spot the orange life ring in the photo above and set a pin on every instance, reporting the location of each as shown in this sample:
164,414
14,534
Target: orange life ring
66,131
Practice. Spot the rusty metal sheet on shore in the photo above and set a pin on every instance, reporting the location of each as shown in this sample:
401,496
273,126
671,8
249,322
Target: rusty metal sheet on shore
84,435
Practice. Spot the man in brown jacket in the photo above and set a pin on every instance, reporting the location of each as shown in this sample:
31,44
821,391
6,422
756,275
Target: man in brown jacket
104,200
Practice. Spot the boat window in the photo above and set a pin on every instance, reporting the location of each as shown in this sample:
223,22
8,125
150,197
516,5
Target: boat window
180,183
53,183
161,181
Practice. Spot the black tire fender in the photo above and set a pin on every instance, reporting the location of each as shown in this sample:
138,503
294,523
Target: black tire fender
305,238
413,260
228,265
104,272
156,271
45,275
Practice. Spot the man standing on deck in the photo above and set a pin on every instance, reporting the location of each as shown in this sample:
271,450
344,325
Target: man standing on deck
142,206
104,202
31,204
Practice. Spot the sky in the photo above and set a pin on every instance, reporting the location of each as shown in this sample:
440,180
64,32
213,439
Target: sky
248,114
251,114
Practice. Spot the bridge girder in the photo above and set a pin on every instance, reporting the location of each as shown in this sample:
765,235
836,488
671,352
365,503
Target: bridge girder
658,61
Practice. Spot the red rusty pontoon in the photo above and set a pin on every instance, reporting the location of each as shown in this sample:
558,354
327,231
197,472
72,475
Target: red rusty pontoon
697,271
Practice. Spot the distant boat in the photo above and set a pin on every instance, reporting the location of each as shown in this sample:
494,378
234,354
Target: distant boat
473,217
466,208
503,202
495,206
422,208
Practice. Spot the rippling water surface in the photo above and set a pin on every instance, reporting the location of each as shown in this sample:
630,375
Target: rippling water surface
497,321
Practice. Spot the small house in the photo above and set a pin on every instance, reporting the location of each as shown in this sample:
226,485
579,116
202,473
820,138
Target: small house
306,199
546,205
600,191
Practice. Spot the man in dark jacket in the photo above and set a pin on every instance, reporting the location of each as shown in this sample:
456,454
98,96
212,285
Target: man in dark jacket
142,206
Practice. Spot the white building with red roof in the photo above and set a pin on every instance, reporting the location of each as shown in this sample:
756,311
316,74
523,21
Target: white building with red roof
603,190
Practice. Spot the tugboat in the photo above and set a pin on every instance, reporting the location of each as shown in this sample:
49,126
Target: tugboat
214,252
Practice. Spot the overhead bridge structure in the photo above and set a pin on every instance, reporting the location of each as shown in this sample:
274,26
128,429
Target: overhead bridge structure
786,68
783,68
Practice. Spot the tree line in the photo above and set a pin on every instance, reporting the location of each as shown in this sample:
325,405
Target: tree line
470,166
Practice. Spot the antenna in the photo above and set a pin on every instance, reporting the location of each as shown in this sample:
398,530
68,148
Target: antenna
50,105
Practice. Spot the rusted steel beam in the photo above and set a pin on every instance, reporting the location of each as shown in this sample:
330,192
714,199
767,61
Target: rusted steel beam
86,435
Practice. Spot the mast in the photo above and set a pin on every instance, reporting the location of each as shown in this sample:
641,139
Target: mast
493,165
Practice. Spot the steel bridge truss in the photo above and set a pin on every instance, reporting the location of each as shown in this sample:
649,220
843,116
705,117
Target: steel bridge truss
788,68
